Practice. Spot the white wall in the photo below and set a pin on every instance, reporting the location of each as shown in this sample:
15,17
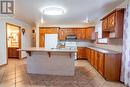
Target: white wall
111,46
25,39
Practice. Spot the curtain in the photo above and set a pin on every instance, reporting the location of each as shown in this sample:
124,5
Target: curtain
125,70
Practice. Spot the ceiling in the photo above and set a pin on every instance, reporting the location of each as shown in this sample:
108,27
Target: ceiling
77,10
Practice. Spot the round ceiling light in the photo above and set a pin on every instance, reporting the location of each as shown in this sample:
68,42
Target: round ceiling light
53,10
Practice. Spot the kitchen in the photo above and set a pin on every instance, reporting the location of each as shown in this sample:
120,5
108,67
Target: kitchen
54,52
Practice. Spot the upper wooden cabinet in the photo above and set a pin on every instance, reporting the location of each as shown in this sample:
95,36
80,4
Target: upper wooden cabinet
46,30
62,34
104,24
89,33
112,24
81,35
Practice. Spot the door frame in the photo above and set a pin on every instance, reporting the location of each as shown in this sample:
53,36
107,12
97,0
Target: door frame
7,40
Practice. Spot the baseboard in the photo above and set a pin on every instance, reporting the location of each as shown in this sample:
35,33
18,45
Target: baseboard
81,59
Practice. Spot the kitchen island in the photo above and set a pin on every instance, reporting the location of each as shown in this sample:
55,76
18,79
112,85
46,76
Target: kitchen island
52,61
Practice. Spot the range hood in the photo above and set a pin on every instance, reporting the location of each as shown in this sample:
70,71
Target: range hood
71,37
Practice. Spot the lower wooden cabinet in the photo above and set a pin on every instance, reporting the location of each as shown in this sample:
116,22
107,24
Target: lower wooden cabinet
92,58
112,66
81,54
88,53
101,63
96,59
107,64
13,53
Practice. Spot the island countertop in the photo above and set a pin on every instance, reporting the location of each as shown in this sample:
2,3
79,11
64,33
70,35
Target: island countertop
40,49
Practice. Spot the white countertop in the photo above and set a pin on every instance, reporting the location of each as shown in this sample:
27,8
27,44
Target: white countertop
35,49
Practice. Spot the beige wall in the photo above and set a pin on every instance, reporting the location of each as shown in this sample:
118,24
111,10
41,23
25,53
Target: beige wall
25,40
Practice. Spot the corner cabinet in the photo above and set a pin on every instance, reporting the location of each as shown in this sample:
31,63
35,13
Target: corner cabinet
90,33
112,24
81,54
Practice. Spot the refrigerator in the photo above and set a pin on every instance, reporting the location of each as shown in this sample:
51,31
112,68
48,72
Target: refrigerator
51,40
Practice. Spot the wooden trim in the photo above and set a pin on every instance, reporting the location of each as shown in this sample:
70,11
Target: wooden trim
77,27
112,12
7,40
48,27
13,25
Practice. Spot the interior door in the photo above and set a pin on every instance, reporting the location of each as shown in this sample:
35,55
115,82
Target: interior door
13,40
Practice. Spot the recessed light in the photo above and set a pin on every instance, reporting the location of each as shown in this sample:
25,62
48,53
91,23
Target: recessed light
53,10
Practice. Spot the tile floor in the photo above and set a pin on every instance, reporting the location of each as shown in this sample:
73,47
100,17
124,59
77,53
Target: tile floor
14,75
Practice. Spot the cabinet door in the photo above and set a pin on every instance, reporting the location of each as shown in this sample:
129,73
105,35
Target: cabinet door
81,34
92,57
111,22
96,59
88,54
62,34
105,24
89,32
101,63
81,53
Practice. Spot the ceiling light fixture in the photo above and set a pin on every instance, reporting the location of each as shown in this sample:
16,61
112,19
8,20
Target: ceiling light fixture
42,19
53,10
86,20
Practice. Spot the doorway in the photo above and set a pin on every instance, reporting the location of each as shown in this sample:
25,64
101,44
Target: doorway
13,41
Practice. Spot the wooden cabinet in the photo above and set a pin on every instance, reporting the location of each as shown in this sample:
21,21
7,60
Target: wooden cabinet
107,64
62,34
112,68
113,23
46,30
81,34
104,24
101,63
88,53
81,54
89,33
96,60
13,53
92,58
